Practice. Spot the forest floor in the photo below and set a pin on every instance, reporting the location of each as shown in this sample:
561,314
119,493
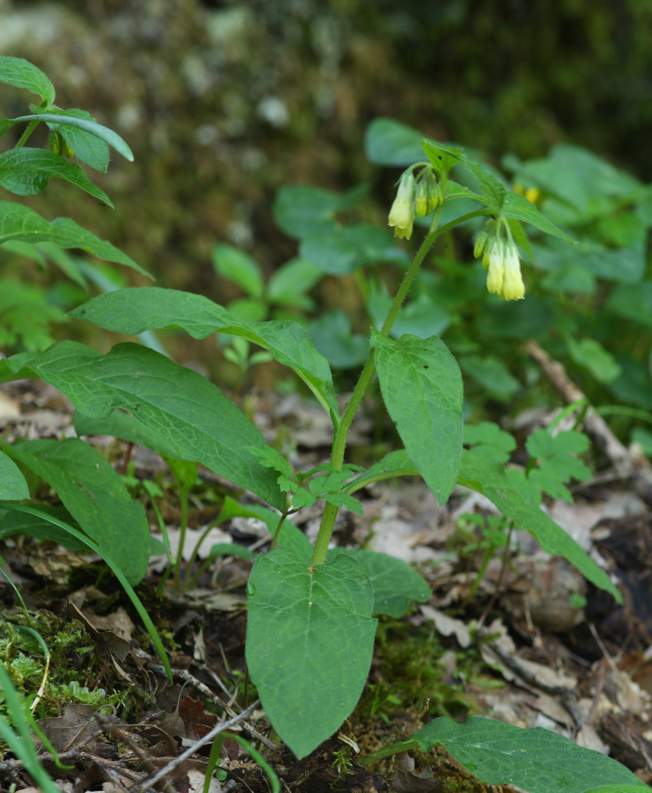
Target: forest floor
509,633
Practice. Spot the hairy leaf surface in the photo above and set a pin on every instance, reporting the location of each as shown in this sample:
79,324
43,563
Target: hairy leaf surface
422,389
151,308
310,638
534,760
138,394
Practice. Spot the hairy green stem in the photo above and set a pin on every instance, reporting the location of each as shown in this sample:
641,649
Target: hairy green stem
367,375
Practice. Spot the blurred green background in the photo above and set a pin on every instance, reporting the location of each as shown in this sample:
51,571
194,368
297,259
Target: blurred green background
223,102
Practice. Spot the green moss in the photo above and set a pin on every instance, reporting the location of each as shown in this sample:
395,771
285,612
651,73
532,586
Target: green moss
74,670
408,675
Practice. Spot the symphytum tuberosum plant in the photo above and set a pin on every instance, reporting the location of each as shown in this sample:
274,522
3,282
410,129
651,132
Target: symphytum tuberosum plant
311,609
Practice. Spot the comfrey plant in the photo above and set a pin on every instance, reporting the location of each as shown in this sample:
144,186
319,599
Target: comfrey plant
312,609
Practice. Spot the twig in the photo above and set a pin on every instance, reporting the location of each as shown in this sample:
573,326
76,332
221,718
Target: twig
189,678
566,695
501,577
626,465
123,736
206,739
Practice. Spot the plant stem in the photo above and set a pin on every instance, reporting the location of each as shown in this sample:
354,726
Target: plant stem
184,505
27,134
369,370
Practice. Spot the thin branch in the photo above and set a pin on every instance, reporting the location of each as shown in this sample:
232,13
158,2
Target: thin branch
206,739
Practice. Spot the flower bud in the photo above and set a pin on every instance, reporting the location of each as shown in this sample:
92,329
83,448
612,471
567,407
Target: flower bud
480,243
421,201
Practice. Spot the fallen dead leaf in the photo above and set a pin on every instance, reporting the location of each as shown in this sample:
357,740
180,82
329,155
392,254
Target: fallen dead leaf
448,626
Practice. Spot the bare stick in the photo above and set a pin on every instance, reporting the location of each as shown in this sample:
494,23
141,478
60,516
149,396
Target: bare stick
208,738
626,464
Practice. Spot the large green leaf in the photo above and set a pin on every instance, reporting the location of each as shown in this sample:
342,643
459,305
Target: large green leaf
534,760
310,638
138,394
26,172
19,222
23,74
338,250
151,308
13,486
508,489
395,584
421,385
388,142
95,495
82,121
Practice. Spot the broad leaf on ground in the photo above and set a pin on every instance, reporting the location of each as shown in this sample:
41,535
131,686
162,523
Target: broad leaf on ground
310,636
421,386
534,760
142,396
95,495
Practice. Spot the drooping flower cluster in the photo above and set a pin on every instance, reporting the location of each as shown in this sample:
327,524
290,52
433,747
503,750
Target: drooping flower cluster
415,197
500,259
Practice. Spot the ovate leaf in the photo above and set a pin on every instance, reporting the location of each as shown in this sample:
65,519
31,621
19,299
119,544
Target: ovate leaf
395,584
142,396
534,760
13,486
310,638
133,311
23,74
95,495
422,389
26,172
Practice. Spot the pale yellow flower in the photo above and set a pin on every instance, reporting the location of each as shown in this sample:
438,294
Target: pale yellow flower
513,286
496,259
401,214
